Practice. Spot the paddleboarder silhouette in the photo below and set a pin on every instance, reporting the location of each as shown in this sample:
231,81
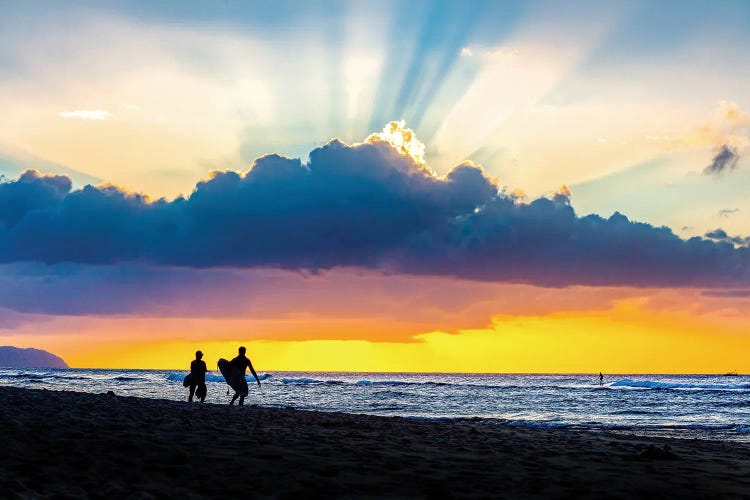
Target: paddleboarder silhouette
237,375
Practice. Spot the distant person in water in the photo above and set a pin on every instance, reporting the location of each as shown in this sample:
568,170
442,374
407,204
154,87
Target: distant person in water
238,366
601,378
198,377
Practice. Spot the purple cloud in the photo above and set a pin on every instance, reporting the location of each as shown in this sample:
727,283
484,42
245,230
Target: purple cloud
729,294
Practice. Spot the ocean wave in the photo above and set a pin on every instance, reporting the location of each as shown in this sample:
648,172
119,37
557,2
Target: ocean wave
124,378
53,376
605,426
179,377
736,403
635,412
212,377
391,383
43,376
301,380
361,383
432,383
31,376
310,381
653,384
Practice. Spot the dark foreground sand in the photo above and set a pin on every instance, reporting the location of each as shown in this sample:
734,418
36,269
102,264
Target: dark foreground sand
66,444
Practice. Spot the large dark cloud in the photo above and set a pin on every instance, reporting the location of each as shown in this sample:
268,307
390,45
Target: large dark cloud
31,191
726,158
363,205
544,242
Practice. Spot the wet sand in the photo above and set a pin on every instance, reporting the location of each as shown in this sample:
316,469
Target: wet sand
67,444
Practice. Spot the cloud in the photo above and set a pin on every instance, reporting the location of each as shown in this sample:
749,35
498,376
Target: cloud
417,304
563,195
724,132
134,301
726,158
729,294
11,320
725,213
721,235
732,116
403,140
725,127
31,191
365,205
717,234
86,114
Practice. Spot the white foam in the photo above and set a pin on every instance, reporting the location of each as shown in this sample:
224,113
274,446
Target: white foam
653,384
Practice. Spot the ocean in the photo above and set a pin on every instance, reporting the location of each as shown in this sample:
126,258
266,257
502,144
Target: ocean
682,406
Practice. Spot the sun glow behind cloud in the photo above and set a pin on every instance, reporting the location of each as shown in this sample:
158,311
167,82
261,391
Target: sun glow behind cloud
182,98
403,140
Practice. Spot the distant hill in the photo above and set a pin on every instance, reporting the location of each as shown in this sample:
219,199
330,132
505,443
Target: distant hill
15,357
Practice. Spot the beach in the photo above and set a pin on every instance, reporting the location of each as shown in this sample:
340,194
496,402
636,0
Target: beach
71,444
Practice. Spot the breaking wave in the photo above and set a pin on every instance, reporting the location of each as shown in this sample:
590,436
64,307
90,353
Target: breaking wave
211,377
653,384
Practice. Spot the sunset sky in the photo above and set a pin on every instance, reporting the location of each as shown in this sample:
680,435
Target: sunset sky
378,186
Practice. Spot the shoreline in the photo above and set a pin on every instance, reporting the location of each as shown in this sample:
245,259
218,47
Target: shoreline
84,444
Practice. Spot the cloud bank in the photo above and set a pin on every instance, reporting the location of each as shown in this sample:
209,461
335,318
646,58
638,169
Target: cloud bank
380,306
364,205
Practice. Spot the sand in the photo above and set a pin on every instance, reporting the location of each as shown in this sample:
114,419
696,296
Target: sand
67,444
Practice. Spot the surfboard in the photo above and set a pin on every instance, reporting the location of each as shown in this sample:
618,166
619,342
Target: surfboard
226,371
187,380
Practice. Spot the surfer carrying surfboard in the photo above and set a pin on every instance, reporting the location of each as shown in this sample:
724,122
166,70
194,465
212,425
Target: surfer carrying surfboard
197,378
236,378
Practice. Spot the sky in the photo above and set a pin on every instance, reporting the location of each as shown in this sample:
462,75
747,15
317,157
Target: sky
478,186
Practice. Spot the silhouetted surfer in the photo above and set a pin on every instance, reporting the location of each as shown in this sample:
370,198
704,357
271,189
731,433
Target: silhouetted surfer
239,384
198,377
601,378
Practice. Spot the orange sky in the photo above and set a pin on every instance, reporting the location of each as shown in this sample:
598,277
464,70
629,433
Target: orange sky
668,331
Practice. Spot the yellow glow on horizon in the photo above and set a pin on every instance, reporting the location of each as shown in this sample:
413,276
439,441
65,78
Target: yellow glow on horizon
626,339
